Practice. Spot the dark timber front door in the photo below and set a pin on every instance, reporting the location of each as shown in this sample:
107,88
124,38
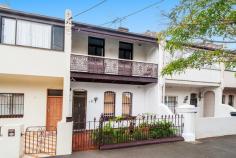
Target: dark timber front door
79,109
193,99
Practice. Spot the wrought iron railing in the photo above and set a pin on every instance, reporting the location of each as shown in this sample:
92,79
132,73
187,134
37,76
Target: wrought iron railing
120,131
101,65
39,139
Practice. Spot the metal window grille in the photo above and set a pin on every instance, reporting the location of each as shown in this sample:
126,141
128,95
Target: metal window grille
171,102
126,104
11,105
109,103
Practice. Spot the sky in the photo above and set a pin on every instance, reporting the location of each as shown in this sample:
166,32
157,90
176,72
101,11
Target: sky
151,19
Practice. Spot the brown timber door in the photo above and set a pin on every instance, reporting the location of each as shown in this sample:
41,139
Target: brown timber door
79,109
54,108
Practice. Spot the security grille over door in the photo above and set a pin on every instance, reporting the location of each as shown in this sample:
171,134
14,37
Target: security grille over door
38,140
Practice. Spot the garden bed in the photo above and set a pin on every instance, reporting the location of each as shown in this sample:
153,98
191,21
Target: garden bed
142,142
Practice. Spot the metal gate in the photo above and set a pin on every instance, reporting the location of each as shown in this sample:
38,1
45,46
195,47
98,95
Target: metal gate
85,138
39,140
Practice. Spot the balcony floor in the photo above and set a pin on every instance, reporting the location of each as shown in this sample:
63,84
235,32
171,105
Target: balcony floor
107,78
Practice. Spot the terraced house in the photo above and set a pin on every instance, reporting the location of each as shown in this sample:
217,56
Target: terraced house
59,77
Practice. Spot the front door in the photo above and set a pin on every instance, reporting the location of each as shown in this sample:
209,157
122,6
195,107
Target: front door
193,99
54,108
79,109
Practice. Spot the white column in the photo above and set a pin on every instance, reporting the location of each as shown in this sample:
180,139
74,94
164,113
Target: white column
161,79
66,87
64,138
218,99
189,114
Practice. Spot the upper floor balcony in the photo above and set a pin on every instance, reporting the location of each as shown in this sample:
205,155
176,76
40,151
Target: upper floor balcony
204,77
102,69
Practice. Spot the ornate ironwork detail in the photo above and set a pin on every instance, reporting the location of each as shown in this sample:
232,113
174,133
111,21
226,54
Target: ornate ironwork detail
99,65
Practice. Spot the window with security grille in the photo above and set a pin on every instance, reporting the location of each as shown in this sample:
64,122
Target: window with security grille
109,104
11,105
126,104
171,102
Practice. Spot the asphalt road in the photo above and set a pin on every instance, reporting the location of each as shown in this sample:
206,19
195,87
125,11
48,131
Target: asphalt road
220,147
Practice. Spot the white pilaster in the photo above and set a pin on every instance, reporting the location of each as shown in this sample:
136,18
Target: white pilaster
64,138
189,114
161,78
67,49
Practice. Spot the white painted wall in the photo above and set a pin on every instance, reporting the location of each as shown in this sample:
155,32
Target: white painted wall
141,103
224,110
213,127
141,52
35,97
203,75
182,91
31,61
11,147
229,79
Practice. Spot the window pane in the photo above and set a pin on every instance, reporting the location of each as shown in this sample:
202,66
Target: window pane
11,104
171,102
95,46
55,92
127,104
109,103
91,50
96,41
41,35
33,34
8,31
23,33
58,38
124,45
125,50
99,51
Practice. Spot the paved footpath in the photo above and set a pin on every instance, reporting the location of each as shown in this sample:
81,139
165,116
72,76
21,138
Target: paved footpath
220,147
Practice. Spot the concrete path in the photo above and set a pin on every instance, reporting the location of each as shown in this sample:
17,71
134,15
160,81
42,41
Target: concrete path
221,147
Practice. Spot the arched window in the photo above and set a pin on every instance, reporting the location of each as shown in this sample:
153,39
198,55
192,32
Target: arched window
109,103
127,104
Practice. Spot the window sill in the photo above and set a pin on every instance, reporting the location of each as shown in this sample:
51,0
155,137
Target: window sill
16,45
11,116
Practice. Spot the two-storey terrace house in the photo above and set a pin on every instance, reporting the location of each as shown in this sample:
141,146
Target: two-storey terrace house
34,69
51,70
207,88
113,72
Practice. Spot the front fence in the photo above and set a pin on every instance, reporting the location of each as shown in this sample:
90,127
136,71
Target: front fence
120,131
83,138
38,140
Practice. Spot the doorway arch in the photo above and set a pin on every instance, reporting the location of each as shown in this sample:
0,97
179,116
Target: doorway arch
209,104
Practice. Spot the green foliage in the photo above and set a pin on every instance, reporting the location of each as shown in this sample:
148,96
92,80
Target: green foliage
144,131
201,21
161,130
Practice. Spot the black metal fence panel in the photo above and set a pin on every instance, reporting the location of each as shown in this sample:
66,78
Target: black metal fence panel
118,130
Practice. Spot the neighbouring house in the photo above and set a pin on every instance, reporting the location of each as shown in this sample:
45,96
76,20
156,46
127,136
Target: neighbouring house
54,71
